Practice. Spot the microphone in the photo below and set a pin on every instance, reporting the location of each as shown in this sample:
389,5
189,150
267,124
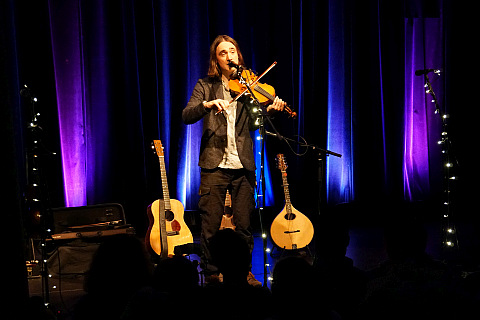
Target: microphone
425,71
236,74
233,64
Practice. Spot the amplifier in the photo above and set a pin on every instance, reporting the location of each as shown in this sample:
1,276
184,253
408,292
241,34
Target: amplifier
92,234
77,233
89,221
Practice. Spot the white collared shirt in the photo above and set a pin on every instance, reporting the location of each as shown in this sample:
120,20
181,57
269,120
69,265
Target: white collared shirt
230,157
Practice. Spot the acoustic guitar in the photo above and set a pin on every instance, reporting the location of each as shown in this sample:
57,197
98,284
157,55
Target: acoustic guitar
227,219
167,228
291,229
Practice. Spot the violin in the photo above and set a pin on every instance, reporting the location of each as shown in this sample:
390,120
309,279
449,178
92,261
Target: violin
266,93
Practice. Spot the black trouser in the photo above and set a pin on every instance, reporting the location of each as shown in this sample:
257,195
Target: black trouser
213,189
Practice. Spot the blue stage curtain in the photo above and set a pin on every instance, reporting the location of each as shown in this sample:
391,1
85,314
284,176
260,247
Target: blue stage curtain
123,71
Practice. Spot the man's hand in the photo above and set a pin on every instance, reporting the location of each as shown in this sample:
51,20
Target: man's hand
218,104
277,105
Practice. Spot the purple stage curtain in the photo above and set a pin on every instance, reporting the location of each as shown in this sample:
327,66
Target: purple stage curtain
80,66
422,127
71,104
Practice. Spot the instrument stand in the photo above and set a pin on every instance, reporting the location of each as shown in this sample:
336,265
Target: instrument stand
302,252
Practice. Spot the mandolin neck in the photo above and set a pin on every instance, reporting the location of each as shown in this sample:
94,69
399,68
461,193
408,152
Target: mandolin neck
286,191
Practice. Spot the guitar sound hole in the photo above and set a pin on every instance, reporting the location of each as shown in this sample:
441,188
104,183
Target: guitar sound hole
169,216
290,216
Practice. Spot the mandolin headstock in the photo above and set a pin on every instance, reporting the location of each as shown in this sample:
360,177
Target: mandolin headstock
281,162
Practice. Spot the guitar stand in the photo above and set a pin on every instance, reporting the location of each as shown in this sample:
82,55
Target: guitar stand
304,252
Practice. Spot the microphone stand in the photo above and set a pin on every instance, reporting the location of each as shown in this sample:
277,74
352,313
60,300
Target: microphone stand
264,115
321,155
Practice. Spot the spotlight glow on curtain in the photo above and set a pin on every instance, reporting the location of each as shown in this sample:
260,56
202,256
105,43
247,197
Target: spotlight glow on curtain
69,75
188,175
339,170
80,60
163,97
423,49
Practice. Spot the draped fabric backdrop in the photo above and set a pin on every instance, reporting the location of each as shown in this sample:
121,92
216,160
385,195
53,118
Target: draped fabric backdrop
115,75
422,165
112,76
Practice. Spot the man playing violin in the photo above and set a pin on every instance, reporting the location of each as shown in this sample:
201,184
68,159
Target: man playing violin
226,151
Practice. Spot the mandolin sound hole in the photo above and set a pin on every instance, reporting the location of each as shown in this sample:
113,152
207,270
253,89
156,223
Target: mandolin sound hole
290,216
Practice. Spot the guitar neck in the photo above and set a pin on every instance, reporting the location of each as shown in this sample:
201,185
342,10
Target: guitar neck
163,174
286,191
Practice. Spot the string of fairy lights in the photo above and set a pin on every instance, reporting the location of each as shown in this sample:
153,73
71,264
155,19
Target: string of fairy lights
450,165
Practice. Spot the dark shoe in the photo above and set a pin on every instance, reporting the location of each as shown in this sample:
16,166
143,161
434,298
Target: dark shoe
214,279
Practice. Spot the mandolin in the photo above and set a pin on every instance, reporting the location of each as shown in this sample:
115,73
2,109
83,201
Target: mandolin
227,219
167,228
291,229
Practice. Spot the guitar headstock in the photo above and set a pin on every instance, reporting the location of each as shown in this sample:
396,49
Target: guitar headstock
157,145
228,199
281,162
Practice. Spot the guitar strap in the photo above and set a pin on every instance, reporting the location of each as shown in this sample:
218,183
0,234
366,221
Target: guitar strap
163,229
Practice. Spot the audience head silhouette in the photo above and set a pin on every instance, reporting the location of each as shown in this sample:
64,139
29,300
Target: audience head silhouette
231,253
175,274
119,268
